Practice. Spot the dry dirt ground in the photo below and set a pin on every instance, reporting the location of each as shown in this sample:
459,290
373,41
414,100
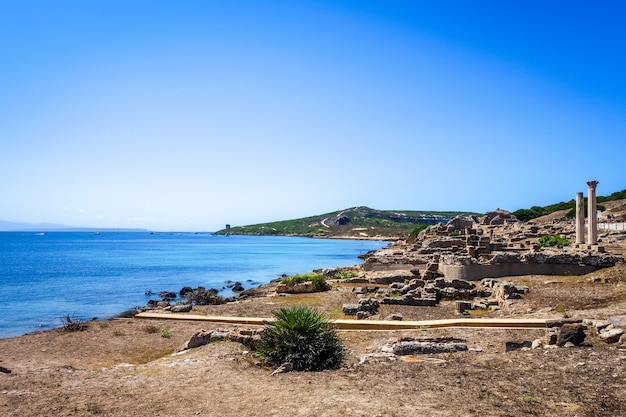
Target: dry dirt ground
125,367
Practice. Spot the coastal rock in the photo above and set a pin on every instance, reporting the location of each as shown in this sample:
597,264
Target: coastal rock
396,316
181,308
219,335
184,291
350,309
199,338
167,295
202,296
362,315
369,305
572,333
611,335
517,344
432,346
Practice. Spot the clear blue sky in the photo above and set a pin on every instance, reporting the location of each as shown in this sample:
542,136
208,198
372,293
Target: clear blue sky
187,115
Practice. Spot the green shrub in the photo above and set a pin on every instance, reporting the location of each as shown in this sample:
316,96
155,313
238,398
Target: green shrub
413,235
301,336
318,281
346,274
554,241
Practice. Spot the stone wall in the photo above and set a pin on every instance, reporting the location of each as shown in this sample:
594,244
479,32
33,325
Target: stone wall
475,272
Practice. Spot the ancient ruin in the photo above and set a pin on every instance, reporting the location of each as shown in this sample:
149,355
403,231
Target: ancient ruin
461,259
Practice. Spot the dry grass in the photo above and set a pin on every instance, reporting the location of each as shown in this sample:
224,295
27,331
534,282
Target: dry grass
83,373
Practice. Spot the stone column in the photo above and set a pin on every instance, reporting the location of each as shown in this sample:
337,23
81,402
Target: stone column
580,219
592,221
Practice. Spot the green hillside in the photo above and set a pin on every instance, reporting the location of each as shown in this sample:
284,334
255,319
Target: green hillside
355,222
538,211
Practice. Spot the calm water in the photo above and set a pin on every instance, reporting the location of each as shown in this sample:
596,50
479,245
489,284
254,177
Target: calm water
46,277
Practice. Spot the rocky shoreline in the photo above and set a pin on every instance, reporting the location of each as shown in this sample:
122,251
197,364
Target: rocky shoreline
574,365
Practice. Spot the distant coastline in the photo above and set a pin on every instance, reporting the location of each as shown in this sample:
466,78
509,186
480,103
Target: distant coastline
6,226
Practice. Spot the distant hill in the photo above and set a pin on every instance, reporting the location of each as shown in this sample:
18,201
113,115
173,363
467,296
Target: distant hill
53,227
356,222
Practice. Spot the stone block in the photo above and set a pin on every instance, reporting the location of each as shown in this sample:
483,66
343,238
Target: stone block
611,335
350,309
573,333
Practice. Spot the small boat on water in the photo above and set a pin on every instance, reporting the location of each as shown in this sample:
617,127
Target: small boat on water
96,233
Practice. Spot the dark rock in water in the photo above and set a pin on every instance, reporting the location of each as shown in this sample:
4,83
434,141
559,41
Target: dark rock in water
237,287
167,295
152,303
184,291
202,296
574,333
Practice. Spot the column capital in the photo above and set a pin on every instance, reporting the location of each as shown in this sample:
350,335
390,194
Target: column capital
592,184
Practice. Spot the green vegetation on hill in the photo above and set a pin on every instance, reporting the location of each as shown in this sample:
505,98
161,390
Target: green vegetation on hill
352,222
537,211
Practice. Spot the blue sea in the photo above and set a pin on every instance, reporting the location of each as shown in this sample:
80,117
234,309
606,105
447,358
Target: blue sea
44,277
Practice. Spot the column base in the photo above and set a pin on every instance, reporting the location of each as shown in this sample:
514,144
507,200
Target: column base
593,248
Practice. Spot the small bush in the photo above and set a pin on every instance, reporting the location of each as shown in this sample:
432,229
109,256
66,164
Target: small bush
555,241
318,281
165,332
70,324
346,274
303,337
532,400
414,234
151,329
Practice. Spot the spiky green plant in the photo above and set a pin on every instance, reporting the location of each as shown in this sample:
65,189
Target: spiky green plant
301,336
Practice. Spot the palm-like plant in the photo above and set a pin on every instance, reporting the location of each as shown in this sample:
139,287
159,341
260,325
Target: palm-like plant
301,336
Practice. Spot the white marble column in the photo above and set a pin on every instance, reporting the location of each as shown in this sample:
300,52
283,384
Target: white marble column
592,220
580,219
